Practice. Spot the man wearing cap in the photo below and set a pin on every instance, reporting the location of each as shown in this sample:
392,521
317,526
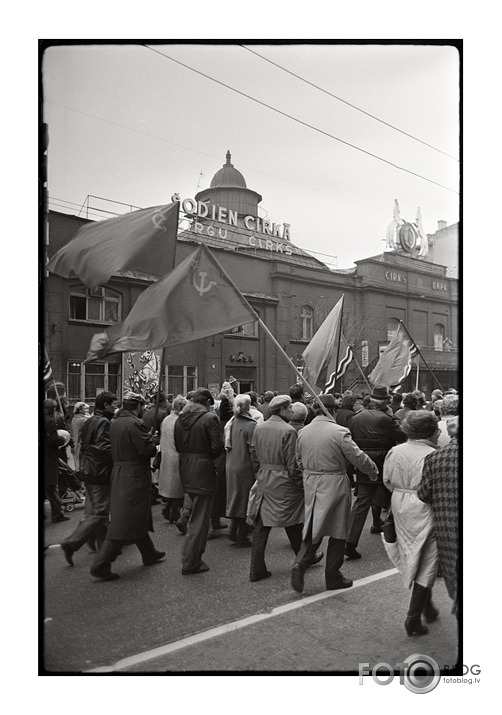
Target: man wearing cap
374,431
131,482
198,437
279,494
323,450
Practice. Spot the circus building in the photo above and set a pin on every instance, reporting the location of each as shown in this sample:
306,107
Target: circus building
290,289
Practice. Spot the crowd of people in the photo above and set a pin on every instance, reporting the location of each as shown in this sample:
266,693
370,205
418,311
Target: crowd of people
314,467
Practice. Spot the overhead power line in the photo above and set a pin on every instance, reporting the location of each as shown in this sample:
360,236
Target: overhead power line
299,121
349,104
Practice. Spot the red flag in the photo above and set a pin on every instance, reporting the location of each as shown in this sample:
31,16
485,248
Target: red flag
102,248
395,361
320,354
195,300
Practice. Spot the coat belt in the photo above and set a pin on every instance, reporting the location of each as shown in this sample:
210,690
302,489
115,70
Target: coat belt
402,489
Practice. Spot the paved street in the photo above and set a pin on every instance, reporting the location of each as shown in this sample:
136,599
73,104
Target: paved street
153,619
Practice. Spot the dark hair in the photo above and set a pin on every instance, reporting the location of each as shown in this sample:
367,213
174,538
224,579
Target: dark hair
410,400
337,395
349,402
104,398
268,395
296,391
419,424
397,398
49,406
130,404
254,397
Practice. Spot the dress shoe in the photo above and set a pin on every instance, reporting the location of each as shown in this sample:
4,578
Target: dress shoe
297,578
351,553
181,525
259,576
376,529
213,535
217,524
60,517
243,544
104,575
342,583
158,555
200,569
68,553
414,626
316,558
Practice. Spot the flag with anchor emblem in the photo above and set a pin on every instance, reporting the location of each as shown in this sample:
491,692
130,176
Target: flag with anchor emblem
195,300
141,240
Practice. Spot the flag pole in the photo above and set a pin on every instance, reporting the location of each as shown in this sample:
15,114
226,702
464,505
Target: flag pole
339,340
419,352
361,371
418,372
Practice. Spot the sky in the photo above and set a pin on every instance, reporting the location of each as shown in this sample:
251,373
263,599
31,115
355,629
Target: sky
130,125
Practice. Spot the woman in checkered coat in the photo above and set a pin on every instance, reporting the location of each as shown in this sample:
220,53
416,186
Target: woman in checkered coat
439,488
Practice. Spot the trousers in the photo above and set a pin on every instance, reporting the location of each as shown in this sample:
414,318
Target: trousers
334,556
198,525
360,509
111,548
95,522
260,538
52,493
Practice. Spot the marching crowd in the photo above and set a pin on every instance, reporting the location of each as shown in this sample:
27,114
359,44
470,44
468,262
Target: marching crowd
315,467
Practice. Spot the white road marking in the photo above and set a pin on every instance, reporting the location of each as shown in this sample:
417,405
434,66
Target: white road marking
233,626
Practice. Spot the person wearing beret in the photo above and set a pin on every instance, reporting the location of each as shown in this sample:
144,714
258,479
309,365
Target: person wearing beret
375,430
131,490
323,451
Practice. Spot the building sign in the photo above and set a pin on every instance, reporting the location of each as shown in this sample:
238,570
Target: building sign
396,277
365,354
273,233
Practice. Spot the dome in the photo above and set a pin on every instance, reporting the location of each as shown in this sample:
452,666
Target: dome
228,176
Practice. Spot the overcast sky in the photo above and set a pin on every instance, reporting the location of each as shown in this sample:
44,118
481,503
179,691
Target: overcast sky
130,125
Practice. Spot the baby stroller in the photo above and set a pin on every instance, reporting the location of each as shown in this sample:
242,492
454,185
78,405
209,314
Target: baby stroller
71,489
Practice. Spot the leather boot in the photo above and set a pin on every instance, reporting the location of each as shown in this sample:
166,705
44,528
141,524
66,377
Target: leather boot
232,530
413,623
377,522
101,566
430,611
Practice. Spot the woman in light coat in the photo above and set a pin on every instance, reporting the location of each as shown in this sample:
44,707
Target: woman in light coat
169,471
415,551
80,415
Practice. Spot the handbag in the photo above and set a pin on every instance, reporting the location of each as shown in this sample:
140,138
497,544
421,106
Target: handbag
252,508
389,528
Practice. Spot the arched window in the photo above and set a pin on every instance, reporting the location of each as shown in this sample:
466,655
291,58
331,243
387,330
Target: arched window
100,305
439,335
307,318
392,326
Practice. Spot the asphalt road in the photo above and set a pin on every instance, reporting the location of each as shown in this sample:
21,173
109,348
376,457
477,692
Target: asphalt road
155,620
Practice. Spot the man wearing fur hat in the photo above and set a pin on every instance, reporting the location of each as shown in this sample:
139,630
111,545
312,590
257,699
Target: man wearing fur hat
323,450
198,437
279,495
374,431
131,484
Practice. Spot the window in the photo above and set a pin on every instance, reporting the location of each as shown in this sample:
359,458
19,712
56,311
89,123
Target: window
181,379
86,381
439,336
250,330
100,305
307,319
392,326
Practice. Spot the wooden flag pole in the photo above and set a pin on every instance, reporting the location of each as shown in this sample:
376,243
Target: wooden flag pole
339,340
361,371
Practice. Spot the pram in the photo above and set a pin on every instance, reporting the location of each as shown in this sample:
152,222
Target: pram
71,489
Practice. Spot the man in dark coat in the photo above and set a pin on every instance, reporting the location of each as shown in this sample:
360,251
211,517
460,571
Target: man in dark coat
374,431
52,443
198,437
130,512
297,394
95,471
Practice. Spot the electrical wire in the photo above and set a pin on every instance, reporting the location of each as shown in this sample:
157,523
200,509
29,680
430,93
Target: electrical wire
349,104
299,121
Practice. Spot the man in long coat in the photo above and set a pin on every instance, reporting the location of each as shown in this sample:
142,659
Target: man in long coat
130,510
323,451
439,488
279,494
198,438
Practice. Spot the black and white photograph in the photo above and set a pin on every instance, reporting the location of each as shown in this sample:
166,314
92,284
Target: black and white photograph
250,360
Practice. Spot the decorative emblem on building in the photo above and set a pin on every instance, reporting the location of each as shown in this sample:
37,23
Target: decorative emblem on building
411,236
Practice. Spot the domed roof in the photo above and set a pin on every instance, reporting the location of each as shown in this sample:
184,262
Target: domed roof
228,176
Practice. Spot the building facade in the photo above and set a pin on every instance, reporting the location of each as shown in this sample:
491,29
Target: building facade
291,290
